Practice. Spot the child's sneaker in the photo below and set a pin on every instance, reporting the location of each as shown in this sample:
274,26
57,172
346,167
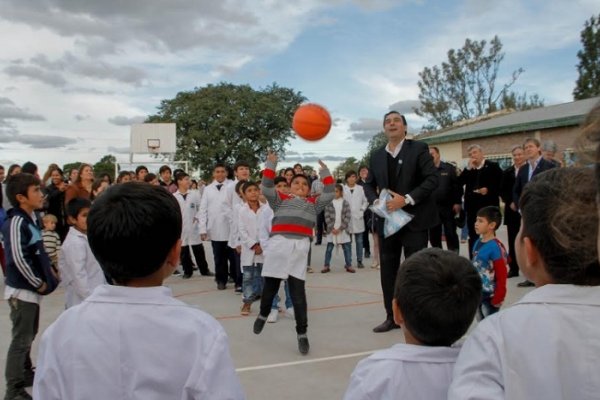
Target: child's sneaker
259,324
309,270
290,313
325,270
246,308
303,345
273,316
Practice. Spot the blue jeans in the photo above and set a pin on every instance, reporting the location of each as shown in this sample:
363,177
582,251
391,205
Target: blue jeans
288,298
486,309
346,247
358,242
250,286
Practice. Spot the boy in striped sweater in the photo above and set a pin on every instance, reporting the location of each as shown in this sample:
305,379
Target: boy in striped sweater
285,258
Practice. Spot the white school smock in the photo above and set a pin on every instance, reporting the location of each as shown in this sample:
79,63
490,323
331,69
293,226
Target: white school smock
265,224
234,230
190,217
215,213
404,371
545,346
358,204
79,271
135,343
249,226
285,256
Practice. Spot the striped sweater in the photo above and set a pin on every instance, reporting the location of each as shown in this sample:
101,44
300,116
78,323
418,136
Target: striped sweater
295,217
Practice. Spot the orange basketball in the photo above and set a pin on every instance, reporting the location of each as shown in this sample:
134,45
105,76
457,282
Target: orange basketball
311,122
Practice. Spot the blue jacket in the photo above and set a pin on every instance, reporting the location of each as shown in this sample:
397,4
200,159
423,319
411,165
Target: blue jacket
27,264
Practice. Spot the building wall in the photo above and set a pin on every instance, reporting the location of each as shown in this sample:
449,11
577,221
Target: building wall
450,151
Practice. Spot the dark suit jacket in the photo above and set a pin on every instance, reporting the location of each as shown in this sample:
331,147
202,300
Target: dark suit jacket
490,177
523,177
506,193
416,176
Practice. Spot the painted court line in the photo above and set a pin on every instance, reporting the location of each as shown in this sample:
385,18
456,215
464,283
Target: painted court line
311,361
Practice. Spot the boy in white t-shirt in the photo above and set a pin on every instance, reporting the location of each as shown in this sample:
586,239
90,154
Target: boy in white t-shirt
435,298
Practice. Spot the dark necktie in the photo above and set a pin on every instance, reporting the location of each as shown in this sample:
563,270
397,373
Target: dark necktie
219,186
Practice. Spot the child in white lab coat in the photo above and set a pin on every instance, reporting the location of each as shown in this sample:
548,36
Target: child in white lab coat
436,296
355,196
115,345
80,272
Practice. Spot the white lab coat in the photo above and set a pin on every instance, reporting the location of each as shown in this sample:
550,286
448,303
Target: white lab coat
545,346
190,216
234,231
404,371
215,213
285,256
265,225
358,204
135,343
80,272
249,229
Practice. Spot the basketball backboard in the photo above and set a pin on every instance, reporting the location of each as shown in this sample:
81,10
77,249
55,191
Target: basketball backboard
153,138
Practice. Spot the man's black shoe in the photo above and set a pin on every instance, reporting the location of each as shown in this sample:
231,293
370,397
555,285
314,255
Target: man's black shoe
512,274
186,276
259,324
221,286
208,274
303,345
526,284
386,326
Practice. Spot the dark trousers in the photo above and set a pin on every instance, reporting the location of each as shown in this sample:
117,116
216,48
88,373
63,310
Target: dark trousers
221,255
512,230
321,226
235,268
298,295
473,236
389,255
447,221
186,259
25,319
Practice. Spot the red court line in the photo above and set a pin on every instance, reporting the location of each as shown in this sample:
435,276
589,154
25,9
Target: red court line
310,287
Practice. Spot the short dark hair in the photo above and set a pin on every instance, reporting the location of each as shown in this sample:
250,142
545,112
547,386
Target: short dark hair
121,175
220,165
532,140
560,217
363,167
438,293
279,179
301,176
132,228
401,116
140,168
350,173
338,186
248,184
297,165
180,176
20,184
29,168
164,168
491,214
240,164
150,177
74,206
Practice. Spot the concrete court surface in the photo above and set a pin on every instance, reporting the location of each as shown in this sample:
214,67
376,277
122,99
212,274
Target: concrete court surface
343,308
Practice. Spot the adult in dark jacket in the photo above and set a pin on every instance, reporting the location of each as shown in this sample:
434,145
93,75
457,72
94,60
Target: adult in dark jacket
448,197
481,180
406,169
512,218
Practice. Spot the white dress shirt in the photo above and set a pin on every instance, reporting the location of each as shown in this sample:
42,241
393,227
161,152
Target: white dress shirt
215,212
404,371
190,217
545,346
80,272
135,343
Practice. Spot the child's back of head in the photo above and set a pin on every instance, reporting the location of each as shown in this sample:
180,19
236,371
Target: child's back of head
132,228
437,293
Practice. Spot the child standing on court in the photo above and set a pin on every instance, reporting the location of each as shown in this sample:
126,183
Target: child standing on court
337,217
251,256
285,258
435,298
115,345
490,260
51,239
79,269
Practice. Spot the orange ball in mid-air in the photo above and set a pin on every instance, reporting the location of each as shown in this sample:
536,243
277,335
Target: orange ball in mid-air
311,122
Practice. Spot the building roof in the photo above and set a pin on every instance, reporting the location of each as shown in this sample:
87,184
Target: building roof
559,115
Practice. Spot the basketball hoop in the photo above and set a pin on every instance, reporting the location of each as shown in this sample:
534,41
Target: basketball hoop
153,146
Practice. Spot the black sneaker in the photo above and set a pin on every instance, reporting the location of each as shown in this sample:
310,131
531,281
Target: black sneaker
186,276
221,286
209,273
367,255
259,324
176,273
239,290
360,265
303,345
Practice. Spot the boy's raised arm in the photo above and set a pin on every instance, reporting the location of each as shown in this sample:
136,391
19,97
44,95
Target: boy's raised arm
328,190
267,184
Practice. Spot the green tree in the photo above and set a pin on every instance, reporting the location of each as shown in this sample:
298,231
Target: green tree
227,122
465,85
106,165
350,163
588,82
69,166
376,142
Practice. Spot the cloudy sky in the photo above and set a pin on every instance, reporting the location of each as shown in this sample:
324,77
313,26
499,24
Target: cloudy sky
75,74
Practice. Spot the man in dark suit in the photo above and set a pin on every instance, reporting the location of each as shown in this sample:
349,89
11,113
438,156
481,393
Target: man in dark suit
512,218
535,165
406,169
481,180
448,197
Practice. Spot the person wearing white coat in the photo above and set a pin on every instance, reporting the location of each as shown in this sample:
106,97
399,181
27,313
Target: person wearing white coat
189,203
355,196
215,221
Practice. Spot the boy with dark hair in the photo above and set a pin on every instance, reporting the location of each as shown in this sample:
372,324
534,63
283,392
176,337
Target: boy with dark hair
28,276
241,171
140,173
113,345
435,298
166,178
189,204
80,271
490,260
545,346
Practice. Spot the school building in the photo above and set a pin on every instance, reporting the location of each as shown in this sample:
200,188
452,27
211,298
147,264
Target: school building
498,132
